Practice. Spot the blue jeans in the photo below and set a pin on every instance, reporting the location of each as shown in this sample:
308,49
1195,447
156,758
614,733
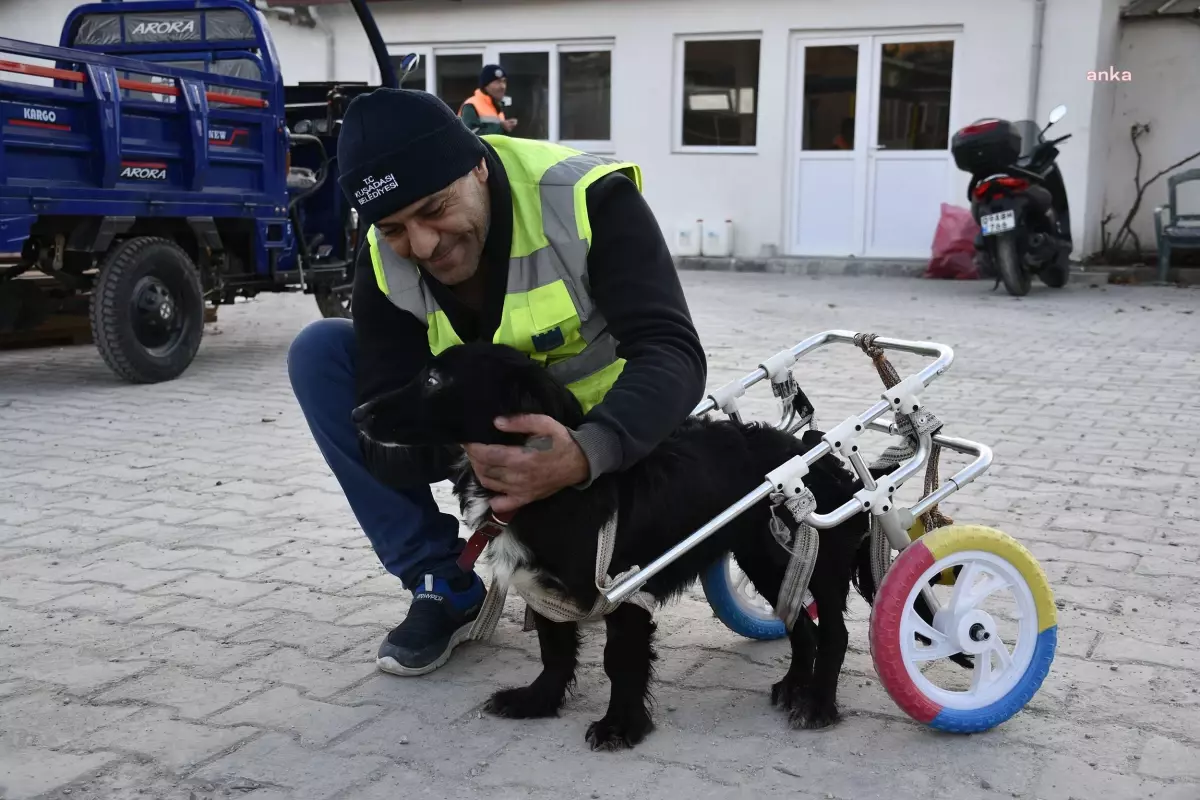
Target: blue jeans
409,533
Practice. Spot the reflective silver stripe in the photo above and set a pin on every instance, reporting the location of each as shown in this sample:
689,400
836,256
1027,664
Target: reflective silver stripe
593,327
557,190
599,354
491,119
405,287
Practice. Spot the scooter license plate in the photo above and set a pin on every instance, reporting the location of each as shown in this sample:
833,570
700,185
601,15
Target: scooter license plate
991,224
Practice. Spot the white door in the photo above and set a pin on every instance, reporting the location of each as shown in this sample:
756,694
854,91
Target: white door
909,167
871,163
830,172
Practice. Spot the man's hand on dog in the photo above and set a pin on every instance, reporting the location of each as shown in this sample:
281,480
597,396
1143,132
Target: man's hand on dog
522,475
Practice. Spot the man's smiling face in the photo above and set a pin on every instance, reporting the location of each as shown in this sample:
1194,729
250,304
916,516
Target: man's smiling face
445,231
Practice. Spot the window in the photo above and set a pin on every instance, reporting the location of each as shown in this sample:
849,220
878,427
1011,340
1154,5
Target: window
457,76
585,95
830,96
558,92
720,93
914,94
529,90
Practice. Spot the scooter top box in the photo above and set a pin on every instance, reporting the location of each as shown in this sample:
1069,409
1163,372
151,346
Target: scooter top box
986,145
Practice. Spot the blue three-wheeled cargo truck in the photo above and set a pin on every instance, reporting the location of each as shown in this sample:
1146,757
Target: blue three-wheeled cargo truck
155,163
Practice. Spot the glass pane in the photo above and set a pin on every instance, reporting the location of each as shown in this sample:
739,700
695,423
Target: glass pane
830,97
415,79
914,95
585,96
529,89
457,78
720,88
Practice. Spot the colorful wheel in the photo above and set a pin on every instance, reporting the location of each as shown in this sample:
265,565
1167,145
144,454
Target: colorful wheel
1011,642
735,602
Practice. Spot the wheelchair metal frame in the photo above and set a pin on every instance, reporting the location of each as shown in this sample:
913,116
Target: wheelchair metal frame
787,479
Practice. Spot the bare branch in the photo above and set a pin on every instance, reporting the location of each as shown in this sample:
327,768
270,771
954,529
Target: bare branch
1125,231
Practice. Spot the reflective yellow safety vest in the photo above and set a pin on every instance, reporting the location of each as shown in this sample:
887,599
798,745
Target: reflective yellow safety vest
549,313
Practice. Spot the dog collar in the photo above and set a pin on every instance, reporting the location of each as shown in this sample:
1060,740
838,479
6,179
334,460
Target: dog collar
492,527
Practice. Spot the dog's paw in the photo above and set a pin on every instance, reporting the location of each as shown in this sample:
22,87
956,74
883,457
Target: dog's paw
619,734
523,703
813,713
787,694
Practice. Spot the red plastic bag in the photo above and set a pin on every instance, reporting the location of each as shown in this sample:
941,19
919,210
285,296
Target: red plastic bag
954,245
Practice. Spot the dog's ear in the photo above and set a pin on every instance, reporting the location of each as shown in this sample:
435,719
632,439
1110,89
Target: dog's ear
533,391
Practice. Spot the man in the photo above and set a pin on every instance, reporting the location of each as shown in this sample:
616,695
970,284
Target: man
481,112
515,241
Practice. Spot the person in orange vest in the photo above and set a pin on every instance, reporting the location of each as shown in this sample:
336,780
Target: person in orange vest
481,111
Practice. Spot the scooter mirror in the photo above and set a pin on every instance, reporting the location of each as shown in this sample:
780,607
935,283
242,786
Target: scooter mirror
1057,113
408,64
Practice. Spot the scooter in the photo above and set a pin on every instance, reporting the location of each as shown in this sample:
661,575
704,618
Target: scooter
1018,198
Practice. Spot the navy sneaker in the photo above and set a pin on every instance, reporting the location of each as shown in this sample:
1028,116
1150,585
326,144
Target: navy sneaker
439,619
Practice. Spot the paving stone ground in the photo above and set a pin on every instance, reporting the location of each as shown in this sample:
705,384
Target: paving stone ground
188,610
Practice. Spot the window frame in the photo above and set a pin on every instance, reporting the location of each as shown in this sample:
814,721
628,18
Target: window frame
491,55
598,146
677,82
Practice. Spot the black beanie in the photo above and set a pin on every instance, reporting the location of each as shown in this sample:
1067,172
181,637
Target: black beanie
399,145
490,73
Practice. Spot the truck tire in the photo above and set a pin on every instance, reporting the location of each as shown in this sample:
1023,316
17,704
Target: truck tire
147,310
1012,272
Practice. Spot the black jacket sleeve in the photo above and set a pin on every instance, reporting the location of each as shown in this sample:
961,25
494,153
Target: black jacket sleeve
635,285
392,347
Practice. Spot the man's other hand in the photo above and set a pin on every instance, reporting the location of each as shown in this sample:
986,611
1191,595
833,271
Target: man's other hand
523,474
508,124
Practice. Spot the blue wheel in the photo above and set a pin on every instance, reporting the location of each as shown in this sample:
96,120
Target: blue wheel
735,602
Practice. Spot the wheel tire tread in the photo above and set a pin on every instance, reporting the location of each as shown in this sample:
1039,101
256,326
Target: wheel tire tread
105,315
889,604
1018,284
720,597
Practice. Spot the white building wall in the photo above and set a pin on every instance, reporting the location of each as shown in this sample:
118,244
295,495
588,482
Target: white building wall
1162,57
991,80
33,20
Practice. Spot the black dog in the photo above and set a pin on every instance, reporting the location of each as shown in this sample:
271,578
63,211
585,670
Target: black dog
700,470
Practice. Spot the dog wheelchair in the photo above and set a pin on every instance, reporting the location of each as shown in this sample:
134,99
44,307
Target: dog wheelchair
954,567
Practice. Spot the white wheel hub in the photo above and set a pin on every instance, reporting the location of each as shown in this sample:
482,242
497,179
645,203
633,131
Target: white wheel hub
961,626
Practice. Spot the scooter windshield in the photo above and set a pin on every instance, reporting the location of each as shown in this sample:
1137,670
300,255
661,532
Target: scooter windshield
1031,135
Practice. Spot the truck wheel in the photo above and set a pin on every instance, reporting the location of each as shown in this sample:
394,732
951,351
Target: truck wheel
147,310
